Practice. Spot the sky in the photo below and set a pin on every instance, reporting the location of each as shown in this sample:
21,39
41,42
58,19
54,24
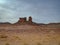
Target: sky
41,11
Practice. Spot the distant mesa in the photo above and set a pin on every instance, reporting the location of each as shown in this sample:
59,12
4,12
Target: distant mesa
5,23
24,20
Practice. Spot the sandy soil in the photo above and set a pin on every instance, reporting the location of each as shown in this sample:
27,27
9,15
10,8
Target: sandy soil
30,35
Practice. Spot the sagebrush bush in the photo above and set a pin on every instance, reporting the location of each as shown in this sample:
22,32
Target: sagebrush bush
7,44
38,43
16,37
59,44
3,36
25,44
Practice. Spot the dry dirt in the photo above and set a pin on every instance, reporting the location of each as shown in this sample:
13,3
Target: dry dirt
30,34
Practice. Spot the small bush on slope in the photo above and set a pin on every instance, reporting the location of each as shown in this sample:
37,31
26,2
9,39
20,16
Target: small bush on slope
7,44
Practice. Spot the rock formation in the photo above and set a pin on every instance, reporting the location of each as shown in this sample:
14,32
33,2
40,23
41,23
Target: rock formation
30,19
24,20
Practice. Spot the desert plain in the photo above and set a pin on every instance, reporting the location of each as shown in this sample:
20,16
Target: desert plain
48,34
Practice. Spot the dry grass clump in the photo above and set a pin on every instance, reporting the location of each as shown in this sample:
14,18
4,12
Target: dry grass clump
7,44
25,44
39,44
17,37
3,36
59,44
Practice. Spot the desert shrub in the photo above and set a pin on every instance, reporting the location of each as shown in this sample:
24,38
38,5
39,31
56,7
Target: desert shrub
25,44
38,43
7,44
59,44
16,37
3,36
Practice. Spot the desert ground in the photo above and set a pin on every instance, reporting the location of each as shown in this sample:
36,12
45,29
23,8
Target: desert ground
30,34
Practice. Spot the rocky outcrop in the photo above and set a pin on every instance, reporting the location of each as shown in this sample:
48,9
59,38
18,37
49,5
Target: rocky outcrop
24,20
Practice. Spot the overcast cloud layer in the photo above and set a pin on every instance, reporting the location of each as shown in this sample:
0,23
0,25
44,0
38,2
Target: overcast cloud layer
42,11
